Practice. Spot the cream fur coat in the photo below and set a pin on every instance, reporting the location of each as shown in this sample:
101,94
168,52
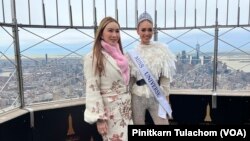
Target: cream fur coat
107,97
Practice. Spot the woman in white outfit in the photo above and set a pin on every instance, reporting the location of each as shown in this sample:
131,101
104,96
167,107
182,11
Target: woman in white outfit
106,70
160,62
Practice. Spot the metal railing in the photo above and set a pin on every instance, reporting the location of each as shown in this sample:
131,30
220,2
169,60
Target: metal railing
168,15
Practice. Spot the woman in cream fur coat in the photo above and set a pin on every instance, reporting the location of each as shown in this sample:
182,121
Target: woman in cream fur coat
106,70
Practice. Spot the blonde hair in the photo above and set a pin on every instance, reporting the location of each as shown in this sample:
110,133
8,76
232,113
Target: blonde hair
97,50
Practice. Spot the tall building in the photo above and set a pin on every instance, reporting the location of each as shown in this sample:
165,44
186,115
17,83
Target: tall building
46,58
183,57
197,50
196,58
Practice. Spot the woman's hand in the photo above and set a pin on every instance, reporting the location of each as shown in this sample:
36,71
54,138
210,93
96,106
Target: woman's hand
102,126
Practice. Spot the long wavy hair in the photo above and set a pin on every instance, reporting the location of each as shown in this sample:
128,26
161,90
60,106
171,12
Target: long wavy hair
97,50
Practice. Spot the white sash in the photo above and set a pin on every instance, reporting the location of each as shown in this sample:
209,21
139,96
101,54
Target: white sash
151,82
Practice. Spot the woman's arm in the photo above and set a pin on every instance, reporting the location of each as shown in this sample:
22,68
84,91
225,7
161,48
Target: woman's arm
94,102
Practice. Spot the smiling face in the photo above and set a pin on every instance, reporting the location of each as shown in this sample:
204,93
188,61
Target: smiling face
111,33
145,31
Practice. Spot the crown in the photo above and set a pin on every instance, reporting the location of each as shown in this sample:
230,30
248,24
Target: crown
144,16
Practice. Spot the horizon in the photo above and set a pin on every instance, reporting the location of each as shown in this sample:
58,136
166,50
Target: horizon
56,56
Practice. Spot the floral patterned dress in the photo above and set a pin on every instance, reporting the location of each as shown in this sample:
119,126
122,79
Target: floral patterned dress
107,97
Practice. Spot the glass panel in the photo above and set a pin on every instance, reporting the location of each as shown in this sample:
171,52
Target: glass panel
194,53
9,97
51,56
52,63
234,59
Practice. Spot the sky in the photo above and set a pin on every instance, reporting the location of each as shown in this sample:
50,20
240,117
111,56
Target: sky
126,8
80,40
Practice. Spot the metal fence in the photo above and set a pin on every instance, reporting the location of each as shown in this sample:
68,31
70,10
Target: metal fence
208,37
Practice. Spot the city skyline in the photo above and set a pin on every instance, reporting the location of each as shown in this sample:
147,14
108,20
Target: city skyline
62,41
127,18
176,47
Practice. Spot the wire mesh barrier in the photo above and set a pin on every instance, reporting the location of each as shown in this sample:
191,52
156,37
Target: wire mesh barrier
43,43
